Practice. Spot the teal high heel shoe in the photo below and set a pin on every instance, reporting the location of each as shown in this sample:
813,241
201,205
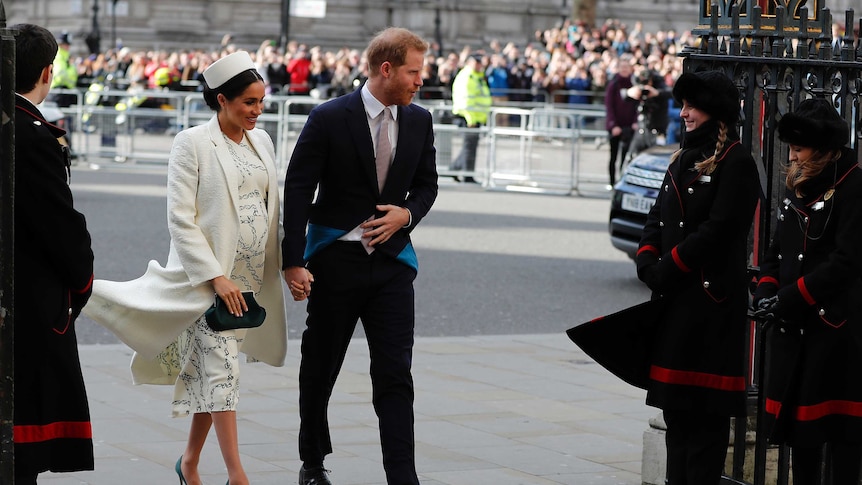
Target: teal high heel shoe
180,471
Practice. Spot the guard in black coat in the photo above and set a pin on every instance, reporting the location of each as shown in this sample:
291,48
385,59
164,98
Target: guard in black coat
53,277
693,253
810,286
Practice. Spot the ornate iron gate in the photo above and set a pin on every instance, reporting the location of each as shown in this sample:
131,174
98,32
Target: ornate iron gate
778,54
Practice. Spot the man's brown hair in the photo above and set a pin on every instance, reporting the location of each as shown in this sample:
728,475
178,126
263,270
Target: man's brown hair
392,45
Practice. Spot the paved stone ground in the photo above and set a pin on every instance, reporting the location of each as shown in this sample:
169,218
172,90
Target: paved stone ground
497,410
491,410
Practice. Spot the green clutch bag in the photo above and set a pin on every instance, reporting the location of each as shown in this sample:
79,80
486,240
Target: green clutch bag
219,318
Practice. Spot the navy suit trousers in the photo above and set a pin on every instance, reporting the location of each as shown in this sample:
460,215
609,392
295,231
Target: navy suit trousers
351,285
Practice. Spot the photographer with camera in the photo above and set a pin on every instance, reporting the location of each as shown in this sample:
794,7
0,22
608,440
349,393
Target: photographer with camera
652,94
621,113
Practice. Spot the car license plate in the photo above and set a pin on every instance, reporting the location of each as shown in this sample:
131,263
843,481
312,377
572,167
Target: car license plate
637,203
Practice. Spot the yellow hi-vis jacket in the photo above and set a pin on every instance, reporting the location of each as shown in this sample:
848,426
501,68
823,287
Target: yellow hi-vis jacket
471,97
65,74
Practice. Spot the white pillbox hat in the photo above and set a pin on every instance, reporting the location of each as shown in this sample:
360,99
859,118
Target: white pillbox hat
222,70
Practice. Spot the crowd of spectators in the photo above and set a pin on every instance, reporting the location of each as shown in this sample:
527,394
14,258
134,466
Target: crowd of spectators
571,63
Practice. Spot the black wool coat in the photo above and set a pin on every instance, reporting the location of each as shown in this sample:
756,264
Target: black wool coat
814,265
53,278
696,242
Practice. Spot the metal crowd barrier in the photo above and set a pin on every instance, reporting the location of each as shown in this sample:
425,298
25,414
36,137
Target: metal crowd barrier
529,150
534,149
539,150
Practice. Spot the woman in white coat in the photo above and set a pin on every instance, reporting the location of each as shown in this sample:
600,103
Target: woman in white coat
223,203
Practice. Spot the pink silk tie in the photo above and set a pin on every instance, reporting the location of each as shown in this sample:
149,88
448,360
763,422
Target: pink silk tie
384,154
384,149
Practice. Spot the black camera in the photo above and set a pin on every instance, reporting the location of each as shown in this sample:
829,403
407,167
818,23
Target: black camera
643,81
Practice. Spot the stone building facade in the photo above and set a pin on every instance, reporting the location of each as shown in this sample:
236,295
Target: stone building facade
174,24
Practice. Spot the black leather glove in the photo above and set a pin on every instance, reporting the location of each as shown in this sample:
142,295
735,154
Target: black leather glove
652,278
759,301
767,309
644,260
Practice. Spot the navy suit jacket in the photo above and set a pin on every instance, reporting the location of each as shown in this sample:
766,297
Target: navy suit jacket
335,156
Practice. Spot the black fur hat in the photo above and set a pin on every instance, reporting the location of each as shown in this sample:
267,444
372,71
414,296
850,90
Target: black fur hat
814,124
711,92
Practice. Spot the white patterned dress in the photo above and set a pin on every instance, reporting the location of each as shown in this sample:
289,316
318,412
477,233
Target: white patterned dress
208,361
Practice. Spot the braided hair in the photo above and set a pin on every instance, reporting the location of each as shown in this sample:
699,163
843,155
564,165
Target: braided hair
707,165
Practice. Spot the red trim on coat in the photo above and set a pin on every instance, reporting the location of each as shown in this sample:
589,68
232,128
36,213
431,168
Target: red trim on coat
833,325
825,408
699,379
836,184
41,119
800,283
772,406
86,288
709,293
700,173
852,168
649,248
768,280
819,410
841,179
63,429
727,150
68,315
676,259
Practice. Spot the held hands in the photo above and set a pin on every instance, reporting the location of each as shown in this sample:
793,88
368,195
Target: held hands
380,229
230,294
299,280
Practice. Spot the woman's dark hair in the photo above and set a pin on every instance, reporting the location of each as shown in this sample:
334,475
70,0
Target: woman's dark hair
232,88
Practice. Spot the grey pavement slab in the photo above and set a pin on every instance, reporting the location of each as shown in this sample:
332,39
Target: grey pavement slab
490,410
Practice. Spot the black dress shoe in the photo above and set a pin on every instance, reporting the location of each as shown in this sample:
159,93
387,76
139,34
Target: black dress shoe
470,180
315,476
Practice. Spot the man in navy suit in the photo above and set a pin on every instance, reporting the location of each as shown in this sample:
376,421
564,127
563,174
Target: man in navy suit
370,156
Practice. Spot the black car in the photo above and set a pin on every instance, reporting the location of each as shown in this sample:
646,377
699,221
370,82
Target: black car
635,194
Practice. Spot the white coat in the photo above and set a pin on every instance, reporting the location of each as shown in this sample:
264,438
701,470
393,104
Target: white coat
150,312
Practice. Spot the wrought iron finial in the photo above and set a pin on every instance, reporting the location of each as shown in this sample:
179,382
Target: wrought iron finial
803,41
847,53
2,15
